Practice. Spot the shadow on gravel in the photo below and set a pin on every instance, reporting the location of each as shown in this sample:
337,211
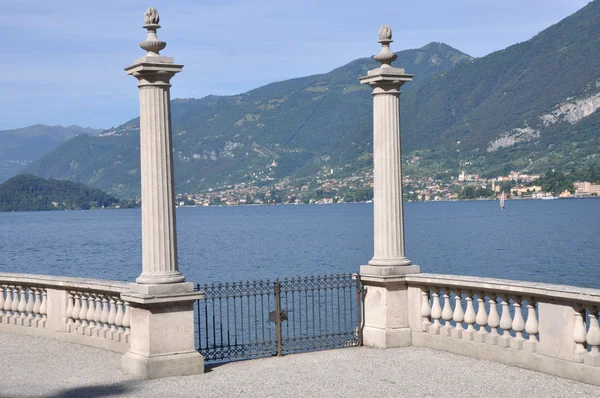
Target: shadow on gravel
208,367
97,390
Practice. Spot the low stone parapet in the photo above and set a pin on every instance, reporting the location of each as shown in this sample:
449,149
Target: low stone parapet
77,310
544,327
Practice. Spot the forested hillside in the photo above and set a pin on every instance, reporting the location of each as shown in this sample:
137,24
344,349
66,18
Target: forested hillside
28,193
530,106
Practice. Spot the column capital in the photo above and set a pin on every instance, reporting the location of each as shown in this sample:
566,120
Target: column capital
386,74
151,65
382,77
153,73
153,68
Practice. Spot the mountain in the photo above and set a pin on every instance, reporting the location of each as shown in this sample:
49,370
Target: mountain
28,193
531,106
286,128
21,146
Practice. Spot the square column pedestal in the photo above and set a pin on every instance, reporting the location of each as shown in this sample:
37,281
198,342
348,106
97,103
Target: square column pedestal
162,331
386,316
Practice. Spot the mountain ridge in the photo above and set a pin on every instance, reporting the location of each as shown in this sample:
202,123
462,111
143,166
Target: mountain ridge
26,144
217,137
530,107
54,131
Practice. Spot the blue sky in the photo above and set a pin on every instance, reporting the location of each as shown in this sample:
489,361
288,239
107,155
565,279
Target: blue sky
63,61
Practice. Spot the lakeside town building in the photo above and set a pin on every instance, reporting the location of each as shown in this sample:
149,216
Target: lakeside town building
329,187
583,188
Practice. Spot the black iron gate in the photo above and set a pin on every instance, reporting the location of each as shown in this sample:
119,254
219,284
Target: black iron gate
263,318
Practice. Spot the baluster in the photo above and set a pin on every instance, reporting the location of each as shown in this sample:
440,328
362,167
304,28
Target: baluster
22,306
2,301
505,323
15,306
469,333
104,317
531,326
436,312
481,319
592,358
83,313
119,319
425,310
127,322
98,315
89,315
8,303
69,311
112,315
493,321
579,333
518,325
29,307
76,311
458,316
447,313
44,307
36,306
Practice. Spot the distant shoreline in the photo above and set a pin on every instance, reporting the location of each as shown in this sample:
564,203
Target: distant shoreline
306,204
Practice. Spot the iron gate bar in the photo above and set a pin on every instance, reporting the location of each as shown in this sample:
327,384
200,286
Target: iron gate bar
322,315
278,318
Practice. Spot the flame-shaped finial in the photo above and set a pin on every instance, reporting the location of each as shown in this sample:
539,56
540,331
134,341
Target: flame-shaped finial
152,45
385,57
151,16
385,33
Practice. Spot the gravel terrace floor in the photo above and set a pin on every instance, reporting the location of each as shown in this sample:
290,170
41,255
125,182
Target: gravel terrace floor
37,367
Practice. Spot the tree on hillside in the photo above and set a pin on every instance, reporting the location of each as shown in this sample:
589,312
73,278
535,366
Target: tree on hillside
557,182
468,192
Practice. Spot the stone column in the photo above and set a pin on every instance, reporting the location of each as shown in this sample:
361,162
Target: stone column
159,239
161,303
386,300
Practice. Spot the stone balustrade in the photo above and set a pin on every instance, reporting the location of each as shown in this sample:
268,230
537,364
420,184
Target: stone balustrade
23,306
498,320
99,315
78,310
544,327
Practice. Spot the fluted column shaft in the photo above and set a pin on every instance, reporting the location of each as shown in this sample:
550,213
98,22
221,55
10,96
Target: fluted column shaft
388,216
159,238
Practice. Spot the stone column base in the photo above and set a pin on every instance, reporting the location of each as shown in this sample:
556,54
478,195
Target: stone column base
180,364
386,313
162,332
386,338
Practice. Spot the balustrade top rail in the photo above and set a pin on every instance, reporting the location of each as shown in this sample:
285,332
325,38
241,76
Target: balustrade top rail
64,283
535,289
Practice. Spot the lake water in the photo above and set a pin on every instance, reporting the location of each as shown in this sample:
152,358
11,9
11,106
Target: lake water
546,241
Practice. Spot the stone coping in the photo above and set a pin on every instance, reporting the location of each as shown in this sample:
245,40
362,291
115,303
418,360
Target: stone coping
521,288
64,282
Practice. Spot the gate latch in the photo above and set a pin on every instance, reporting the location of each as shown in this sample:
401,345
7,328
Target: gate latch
273,316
